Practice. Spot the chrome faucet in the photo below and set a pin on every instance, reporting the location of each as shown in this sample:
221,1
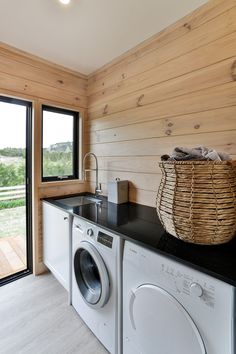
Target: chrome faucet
98,188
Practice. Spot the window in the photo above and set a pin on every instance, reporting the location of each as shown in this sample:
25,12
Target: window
59,144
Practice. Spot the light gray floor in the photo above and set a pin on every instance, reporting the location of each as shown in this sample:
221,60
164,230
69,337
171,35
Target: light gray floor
35,318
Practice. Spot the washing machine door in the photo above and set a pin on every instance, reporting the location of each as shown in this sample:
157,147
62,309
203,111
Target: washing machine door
91,275
160,324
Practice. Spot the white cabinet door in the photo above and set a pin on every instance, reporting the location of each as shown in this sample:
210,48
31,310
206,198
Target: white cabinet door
56,242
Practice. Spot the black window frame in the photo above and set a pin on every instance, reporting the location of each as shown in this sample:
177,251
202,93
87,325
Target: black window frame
75,156
28,185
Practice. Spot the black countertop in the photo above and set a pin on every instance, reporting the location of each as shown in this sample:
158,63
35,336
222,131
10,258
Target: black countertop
140,224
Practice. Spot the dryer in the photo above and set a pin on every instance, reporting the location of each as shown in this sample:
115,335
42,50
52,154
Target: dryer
169,308
96,278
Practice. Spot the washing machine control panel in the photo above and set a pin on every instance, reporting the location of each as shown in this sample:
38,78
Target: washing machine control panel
188,285
105,239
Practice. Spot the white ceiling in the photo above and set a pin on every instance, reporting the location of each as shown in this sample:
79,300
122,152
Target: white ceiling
88,33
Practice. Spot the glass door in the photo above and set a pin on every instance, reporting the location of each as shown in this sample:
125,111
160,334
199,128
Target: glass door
15,189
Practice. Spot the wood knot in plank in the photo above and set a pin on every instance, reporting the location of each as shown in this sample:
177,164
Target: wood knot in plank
77,98
139,103
188,26
60,82
123,76
233,71
197,126
105,110
168,132
170,124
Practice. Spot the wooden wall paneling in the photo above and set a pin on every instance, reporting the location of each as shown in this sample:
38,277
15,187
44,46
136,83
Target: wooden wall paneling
203,100
215,28
35,89
198,17
55,190
176,89
19,63
211,76
224,140
52,79
142,196
187,124
197,59
137,180
138,164
40,78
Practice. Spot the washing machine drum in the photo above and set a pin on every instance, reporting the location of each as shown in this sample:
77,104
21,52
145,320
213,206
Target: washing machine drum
91,275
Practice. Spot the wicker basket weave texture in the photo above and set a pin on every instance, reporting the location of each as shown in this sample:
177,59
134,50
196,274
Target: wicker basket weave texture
196,200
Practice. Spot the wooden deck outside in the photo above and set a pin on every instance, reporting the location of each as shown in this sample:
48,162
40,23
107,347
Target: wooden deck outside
12,255
12,241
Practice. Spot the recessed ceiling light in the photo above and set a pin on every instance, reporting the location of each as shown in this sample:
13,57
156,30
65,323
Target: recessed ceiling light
65,2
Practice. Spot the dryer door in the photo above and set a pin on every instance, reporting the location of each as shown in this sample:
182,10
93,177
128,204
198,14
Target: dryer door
91,275
160,324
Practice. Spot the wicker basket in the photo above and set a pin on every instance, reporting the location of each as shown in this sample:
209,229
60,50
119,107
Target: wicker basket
196,200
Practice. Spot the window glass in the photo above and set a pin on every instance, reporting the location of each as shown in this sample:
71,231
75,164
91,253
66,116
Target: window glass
59,152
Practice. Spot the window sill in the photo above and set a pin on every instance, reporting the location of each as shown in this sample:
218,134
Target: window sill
61,183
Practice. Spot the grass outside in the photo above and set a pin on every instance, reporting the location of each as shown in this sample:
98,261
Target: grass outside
13,222
7,204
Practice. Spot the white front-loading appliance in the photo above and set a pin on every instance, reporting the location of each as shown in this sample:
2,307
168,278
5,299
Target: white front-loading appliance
96,277
169,308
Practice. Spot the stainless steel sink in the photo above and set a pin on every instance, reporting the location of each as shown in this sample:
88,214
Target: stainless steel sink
78,201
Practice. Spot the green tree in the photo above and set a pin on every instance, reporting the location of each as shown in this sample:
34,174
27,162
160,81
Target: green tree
12,175
12,152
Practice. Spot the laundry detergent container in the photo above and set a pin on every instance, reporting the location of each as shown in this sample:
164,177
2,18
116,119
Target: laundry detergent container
196,200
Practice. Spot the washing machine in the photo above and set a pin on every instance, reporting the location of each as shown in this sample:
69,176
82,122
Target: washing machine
96,281
169,308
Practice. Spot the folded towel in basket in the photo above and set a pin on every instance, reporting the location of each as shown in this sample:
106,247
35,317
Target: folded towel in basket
197,153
